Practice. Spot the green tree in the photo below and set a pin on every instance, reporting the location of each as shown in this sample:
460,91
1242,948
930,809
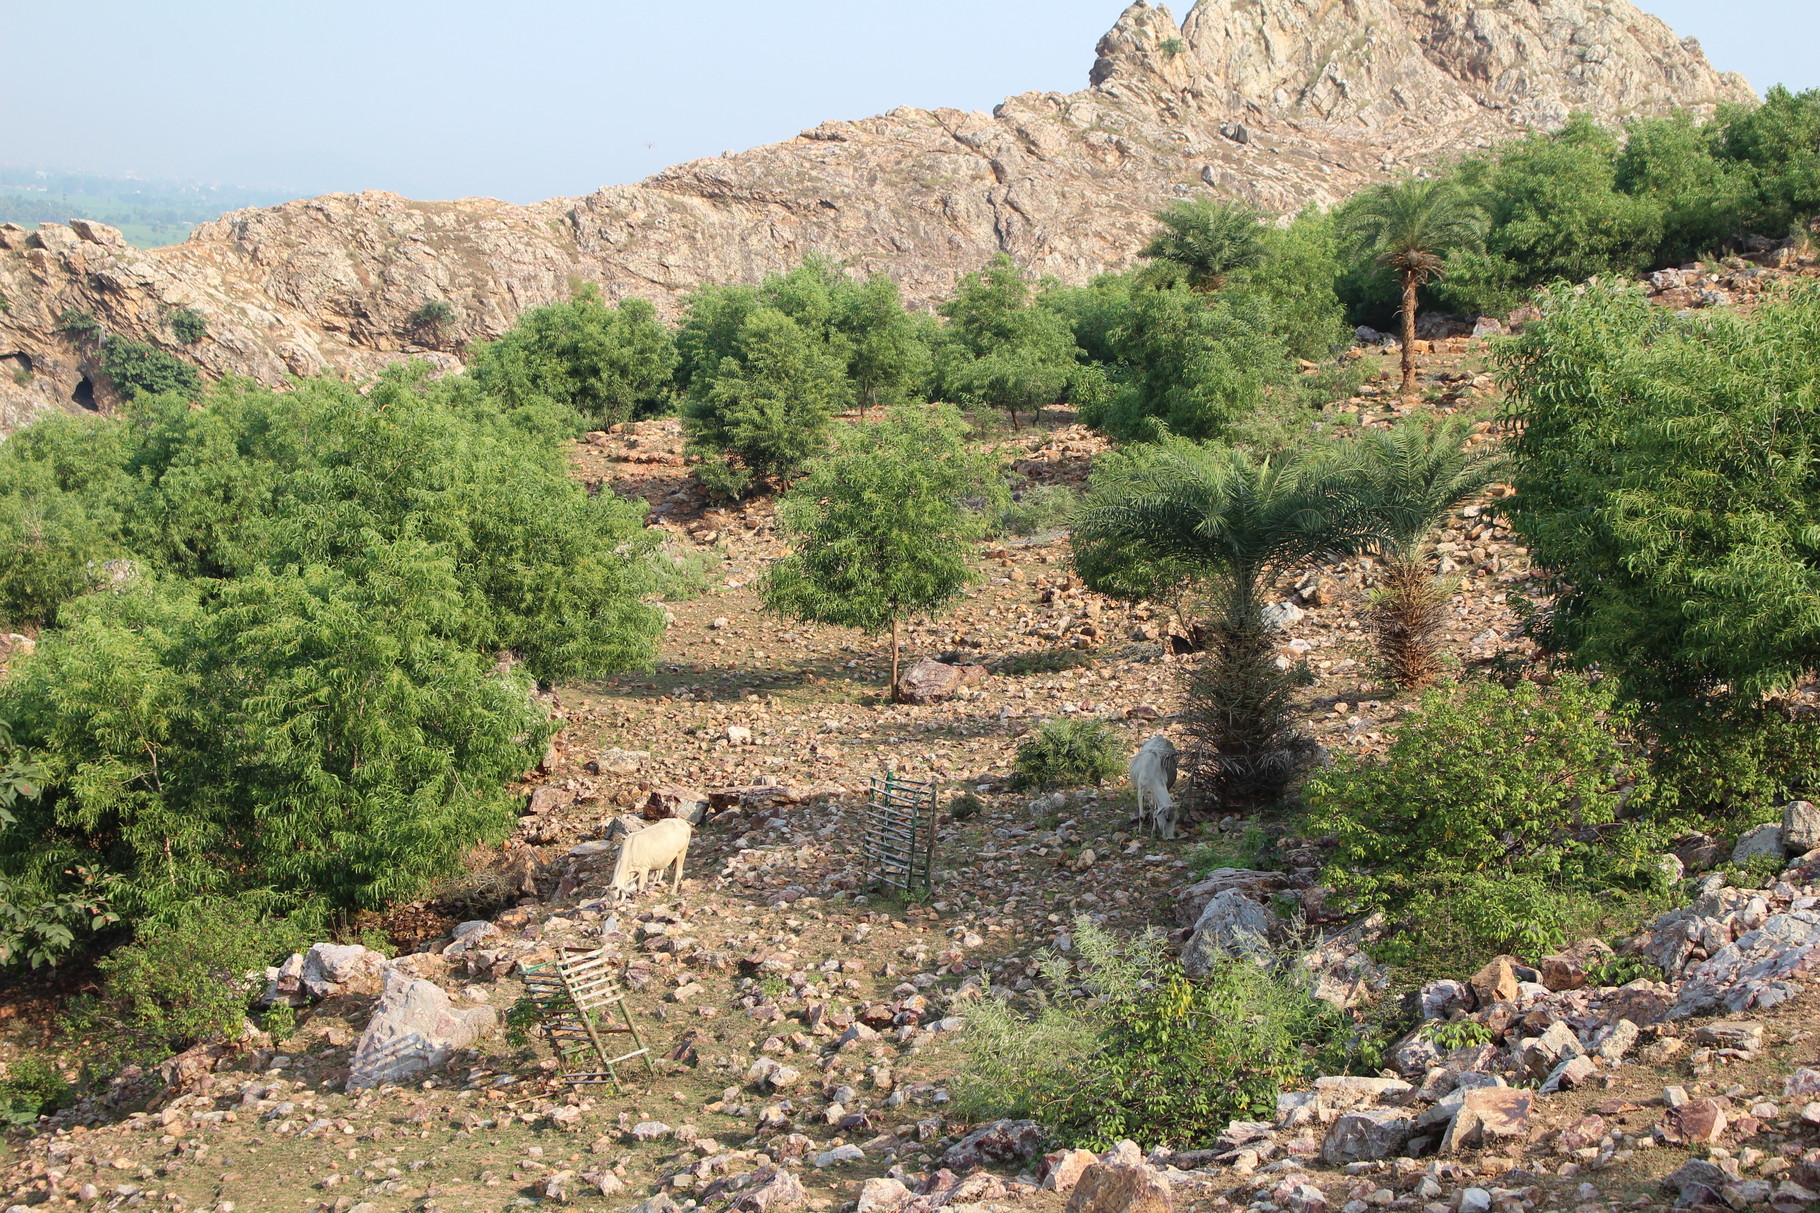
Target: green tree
431,320
1414,475
1410,226
882,526
888,355
605,364
765,413
1203,239
1234,525
1001,350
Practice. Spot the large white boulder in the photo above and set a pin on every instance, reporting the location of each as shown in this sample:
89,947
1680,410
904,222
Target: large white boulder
414,1028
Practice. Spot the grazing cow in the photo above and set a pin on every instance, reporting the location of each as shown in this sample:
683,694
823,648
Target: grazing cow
1153,772
659,847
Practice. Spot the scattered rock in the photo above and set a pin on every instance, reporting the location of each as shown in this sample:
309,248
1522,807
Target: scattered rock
1006,1142
929,681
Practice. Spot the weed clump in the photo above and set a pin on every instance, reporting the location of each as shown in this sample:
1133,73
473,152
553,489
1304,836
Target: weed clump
1069,753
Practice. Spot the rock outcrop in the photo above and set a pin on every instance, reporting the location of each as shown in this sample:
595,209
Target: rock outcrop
1278,102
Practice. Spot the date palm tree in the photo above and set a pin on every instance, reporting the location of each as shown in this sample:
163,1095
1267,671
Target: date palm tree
1233,526
1412,476
1410,226
1204,239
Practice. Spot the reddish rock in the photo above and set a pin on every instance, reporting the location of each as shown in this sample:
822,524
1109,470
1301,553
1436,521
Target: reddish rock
1488,1114
1063,1169
1568,970
1006,1142
1496,982
928,681
1696,1122
1109,1187
776,1190
673,800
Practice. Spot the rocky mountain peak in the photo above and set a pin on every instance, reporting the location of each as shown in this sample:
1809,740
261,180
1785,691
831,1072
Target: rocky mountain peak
1280,103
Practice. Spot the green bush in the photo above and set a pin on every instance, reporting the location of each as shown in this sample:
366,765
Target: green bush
602,364
186,982
141,369
1068,752
79,325
32,1087
1496,820
1138,1051
292,684
187,325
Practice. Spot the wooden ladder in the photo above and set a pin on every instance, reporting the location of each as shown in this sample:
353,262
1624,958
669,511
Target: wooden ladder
576,998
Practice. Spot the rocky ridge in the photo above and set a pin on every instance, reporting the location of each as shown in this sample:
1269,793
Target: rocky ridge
1282,103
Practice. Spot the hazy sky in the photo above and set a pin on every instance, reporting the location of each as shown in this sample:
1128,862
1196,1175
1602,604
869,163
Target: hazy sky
526,100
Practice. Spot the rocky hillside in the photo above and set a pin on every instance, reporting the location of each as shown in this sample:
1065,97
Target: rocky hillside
1278,102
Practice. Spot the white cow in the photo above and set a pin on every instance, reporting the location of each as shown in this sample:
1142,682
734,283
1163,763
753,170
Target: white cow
1153,772
656,848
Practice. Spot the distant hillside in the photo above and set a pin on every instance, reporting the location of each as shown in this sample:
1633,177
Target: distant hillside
150,213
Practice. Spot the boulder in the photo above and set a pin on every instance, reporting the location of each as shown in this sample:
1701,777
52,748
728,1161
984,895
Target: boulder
1110,1187
1192,900
1231,925
1366,1134
1441,999
882,1196
1568,970
775,1189
1758,842
618,762
333,968
1063,1169
1800,827
1003,1142
414,1028
929,681
673,800
1697,1122
1488,1115
1496,982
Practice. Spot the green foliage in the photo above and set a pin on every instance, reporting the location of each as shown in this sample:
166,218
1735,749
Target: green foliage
881,527
1231,525
79,325
1068,752
1002,350
1622,970
1663,474
1298,278
189,981
432,316
1490,811
1203,239
291,687
187,325
603,364
1140,1052
139,368
279,1022
764,412
1245,851
1450,1034
1185,363
32,1087
520,1018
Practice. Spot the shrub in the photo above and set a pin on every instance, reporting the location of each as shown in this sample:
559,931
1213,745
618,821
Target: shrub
294,686
1490,813
187,325
1003,350
32,1087
431,317
188,981
79,325
602,364
1138,1051
141,369
1069,752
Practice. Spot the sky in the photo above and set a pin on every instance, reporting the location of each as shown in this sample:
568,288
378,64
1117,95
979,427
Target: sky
539,98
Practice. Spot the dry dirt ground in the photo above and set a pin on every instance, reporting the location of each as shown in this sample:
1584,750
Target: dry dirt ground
772,949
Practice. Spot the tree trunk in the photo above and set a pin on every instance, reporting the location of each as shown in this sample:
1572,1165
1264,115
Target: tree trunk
1409,332
1407,612
893,660
1013,413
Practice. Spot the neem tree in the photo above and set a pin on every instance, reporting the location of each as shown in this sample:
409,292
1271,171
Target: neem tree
885,525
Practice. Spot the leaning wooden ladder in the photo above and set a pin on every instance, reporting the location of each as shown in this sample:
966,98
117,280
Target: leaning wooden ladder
576,997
